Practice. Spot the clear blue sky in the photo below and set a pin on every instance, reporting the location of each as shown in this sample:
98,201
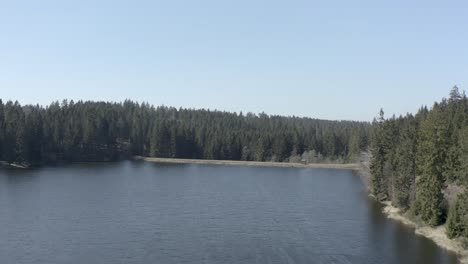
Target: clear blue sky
330,59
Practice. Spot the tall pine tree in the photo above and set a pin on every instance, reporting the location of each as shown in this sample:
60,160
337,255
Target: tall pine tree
378,151
432,155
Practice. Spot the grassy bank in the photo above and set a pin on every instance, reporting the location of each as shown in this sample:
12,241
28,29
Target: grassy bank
346,166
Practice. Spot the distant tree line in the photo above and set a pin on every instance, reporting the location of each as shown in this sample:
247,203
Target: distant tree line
420,161
100,131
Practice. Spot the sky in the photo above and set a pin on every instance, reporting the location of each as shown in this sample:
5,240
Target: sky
340,60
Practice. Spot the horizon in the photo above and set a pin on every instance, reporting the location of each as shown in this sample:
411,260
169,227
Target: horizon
283,58
60,102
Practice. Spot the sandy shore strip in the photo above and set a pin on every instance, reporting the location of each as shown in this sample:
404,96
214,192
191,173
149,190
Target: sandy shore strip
5,164
346,166
436,234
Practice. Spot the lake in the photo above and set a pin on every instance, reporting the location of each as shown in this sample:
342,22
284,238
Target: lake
141,212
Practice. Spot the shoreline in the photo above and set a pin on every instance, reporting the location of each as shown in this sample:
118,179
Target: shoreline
4,164
343,166
436,234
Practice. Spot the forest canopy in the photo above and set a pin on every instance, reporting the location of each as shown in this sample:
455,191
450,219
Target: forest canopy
420,162
101,131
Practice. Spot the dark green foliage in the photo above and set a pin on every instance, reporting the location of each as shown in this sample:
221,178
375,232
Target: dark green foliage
379,148
99,131
2,129
405,165
432,157
457,221
13,142
356,143
415,158
462,173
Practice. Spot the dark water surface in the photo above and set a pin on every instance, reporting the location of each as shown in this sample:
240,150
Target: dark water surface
137,212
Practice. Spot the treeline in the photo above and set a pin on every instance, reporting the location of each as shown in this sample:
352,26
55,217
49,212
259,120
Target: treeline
99,131
420,163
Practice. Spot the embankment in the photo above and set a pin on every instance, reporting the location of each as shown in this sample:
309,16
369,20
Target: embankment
436,234
4,164
345,166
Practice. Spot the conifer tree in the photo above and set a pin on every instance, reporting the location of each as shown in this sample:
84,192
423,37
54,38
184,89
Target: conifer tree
378,152
96,131
405,171
457,221
2,128
432,155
